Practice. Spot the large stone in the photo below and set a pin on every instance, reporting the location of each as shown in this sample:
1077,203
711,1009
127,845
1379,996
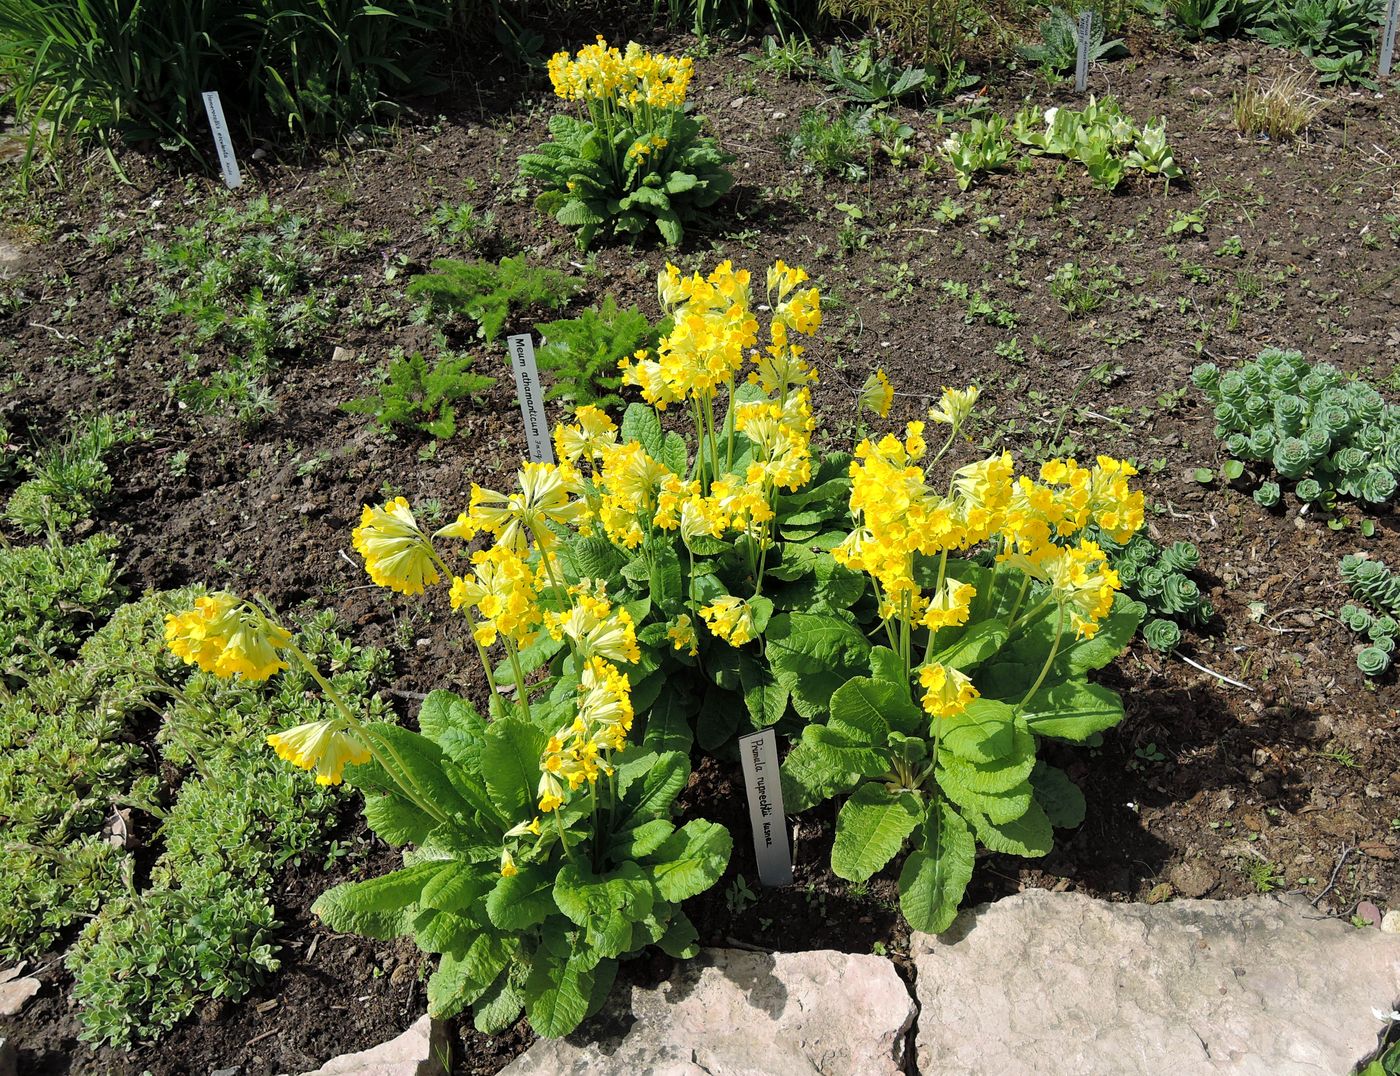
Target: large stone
422,1050
1057,983
733,1013
15,994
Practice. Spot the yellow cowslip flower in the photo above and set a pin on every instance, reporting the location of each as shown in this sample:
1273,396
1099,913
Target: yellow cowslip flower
517,519
949,607
947,691
508,867
682,635
225,635
595,627
505,592
601,75
605,704
1081,584
550,791
802,312
325,746
730,619
955,406
877,394
397,554
782,279
1100,495
590,434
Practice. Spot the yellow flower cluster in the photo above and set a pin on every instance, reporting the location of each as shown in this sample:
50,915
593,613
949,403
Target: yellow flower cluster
596,628
397,553
324,746
730,619
877,394
225,635
521,519
712,326
947,692
579,751
643,148
628,79
504,589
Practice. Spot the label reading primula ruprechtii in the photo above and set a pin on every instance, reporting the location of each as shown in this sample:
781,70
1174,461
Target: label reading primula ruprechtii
223,145
527,388
1081,59
759,754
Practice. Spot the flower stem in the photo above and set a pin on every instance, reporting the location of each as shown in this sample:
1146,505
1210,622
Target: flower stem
1050,660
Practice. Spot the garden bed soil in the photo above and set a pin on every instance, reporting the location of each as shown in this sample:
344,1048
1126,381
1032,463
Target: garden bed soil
1207,789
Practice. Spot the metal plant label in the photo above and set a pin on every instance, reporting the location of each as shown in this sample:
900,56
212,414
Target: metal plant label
759,753
1081,60
527,388
228,163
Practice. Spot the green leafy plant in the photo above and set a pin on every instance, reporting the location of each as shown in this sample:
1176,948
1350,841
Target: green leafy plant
865,78
1372,583
982,148
422,397
70,479
489,293
1326,434
598,883
582,354
931,31
1160,579
1199,19
1058,47
636,160
789,57
1336,35
1101,137
1081,289
834,145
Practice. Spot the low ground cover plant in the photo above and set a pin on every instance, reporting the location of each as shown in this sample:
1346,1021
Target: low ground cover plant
916,630
422,397
636,160
1058,48
70,479
1377,618
581,354
489,294
1308,425
1160,578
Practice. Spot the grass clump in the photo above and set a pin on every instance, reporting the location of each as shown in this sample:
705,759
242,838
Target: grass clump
1280,109
833,145
67,480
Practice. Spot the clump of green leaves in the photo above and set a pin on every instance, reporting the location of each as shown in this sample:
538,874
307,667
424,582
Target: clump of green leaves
205,925
68,480
487,293
866,78
544,929
49,595
1102,137
420,396
984,147
1375,585
1058,47
1327,435
838,145
582,353
1160,579
1337,35
789,57
1214,18
1082,289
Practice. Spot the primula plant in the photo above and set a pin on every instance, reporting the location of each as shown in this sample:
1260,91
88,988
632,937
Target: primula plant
1327,435
635,160
655,589
1102,137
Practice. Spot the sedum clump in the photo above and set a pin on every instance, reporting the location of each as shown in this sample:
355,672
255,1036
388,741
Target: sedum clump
635,160
1327,435
1376,586
1160,578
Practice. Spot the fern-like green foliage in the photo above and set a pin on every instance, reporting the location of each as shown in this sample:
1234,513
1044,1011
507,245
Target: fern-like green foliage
1329,435
1371,582
582,353
629,178
420,396
488,293
1160,579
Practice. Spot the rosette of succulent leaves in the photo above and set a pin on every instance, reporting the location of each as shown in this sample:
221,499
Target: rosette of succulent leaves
1376,585
1329,435
1159,578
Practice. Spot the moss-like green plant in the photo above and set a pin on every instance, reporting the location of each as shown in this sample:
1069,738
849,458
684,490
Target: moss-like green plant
582,353
1329,435
420,396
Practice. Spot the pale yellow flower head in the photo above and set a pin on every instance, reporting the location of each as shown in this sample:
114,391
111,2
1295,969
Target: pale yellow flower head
955,406
225,635
730,619
324,746
397,554
947,691
877,394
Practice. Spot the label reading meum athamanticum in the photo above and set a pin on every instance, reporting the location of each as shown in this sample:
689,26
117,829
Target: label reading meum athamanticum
759,754
228,163
527,388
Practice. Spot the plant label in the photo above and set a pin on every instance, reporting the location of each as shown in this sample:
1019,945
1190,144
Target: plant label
1081,59
1392,25
759,754
527,388
228,163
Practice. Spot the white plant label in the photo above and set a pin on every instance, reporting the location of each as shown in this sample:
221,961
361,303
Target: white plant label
1392,26
759,754
222,144
528,389
1081,60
